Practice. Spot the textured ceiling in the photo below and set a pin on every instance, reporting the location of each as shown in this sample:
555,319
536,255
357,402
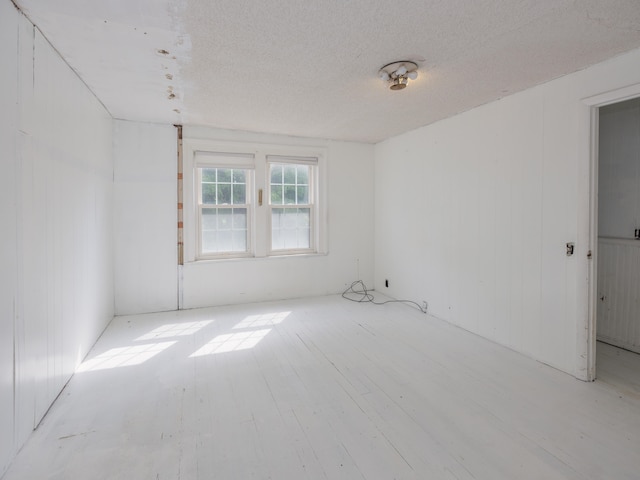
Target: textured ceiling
310,68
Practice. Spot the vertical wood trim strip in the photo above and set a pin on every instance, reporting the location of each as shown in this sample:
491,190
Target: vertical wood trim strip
180,210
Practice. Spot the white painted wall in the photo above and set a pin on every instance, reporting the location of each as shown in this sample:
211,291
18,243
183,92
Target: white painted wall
350,232
8,196
145,203
473,213
56,211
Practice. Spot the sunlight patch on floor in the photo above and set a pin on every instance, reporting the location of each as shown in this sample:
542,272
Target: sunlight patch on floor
262,320
232,342
124,356
174,330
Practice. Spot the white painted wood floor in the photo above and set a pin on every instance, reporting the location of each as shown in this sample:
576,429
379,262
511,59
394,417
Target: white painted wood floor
324,388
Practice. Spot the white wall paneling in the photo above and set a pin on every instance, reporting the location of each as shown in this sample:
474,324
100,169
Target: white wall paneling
473,213
619,292
349,190
145,196
8,194
66,216
57,280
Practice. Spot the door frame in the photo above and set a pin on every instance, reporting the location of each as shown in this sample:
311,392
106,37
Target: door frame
587,338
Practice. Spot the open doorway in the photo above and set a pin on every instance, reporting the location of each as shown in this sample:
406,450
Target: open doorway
618,302
615,292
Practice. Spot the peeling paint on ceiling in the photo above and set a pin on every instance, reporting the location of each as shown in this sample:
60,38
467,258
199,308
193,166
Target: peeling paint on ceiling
310,68
129,53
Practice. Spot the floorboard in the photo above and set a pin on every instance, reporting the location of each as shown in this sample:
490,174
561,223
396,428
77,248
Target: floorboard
323,388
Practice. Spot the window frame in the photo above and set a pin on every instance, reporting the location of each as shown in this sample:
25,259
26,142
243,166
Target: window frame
200,206
312,163
259,236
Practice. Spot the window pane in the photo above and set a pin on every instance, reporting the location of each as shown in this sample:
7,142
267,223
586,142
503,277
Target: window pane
276,194
289,195
224,186
276,173
225,219
208,174
302,194
276,229
239,194
224,230
224,175
209,193
303,238
304,218
276,240
209,219
289,238
209,242
289,184
239,218
290,174
224,241
239,176
303,174
290,228
224,194
239,238
288,219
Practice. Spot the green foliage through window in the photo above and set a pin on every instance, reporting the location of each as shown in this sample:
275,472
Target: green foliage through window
223,186
289,184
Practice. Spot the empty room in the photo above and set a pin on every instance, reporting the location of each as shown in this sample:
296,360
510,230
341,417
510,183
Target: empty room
320,240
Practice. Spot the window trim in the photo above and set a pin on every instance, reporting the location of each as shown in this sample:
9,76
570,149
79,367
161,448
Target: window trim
312,162
199,166
259,219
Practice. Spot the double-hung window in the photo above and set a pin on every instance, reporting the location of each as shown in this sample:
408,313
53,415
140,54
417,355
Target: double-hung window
223,191
291,203
257,201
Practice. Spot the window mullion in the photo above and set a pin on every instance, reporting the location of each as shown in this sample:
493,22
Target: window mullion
261,215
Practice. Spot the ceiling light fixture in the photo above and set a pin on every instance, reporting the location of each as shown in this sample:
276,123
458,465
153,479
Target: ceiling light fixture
397,74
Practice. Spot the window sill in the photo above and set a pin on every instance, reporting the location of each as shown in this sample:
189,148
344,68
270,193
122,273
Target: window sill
208,261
